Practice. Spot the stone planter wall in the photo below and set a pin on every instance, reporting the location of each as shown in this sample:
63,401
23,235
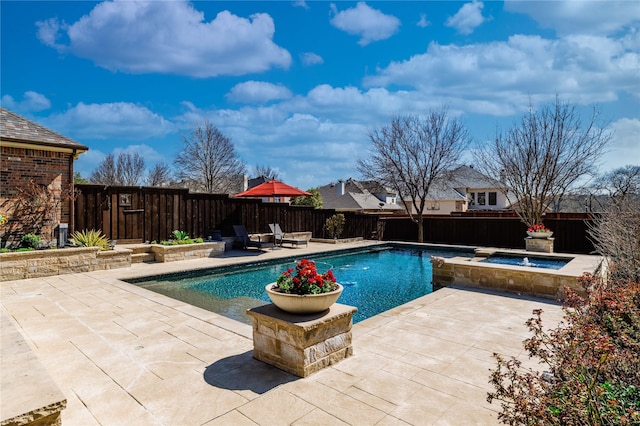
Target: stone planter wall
44,263
113,259
187,251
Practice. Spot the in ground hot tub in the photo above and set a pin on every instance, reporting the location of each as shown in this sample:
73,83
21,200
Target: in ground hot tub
527,261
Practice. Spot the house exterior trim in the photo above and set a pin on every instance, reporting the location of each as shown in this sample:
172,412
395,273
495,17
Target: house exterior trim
43,146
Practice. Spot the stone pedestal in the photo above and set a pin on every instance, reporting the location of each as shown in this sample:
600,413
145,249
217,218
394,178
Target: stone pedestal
302,344
542,245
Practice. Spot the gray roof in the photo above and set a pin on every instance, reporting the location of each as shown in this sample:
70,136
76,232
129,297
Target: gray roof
17,128
358,195
355,201
437,191
468,177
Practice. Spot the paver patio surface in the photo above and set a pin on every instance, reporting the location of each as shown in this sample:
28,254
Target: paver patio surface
123,355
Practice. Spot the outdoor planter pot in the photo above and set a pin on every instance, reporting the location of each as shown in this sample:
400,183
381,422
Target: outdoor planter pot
303,304
540,234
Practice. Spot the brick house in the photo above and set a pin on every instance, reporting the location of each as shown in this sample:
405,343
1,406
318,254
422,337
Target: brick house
36,179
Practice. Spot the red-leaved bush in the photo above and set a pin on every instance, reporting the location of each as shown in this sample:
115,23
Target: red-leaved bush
591,362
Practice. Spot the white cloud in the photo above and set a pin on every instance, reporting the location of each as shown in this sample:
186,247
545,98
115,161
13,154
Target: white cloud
500,77
31,102
591,17
310,58
468,18
149,154
301,3
169,37
624,148
89,161
423,22
368,23
258,92
49,31
118,120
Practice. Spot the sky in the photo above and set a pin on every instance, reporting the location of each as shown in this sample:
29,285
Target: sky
298,86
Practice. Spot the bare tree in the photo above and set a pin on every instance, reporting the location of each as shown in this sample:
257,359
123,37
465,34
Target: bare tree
208,161
106,172
265,171
130,168
542,156
615,231
413,152
159,175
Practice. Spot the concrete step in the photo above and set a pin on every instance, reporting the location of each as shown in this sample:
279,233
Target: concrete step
142,257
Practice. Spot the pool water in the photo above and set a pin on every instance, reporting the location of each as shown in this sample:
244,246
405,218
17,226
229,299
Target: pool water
374,281
531,262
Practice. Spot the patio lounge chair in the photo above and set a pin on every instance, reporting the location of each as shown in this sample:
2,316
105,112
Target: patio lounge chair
280,237
243,241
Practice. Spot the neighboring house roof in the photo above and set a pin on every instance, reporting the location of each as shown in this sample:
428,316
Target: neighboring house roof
457,183
444,192
15,129
357,195
468,177
256,181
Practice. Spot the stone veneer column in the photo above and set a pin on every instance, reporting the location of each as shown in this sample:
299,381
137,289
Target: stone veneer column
302,344
542,245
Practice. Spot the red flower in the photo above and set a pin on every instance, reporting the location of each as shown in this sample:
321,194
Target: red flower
307,280
538,228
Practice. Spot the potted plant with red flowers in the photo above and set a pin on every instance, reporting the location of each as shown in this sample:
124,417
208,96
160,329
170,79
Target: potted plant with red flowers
539,231
305,291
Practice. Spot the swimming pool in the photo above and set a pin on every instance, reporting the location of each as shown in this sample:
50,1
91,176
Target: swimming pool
374,280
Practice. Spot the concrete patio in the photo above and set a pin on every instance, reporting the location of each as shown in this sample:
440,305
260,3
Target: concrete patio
123,355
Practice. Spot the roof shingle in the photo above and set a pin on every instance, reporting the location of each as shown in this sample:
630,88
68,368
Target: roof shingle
18,128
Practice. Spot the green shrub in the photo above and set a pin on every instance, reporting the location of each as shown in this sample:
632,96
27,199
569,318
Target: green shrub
335,225
30,241
5,250
179,235
90,238
25,249
198,240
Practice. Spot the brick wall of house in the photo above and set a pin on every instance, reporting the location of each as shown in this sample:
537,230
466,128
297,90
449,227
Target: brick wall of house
19,166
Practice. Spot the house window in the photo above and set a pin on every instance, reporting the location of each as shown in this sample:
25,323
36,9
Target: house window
482,198
472,198
493,198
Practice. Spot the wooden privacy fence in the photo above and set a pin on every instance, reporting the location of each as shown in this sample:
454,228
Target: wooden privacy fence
570,231
146,214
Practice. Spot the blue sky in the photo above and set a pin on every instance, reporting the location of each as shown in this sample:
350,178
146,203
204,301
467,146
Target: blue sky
298,86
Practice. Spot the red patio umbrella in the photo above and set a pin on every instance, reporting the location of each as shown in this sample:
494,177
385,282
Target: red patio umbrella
273,188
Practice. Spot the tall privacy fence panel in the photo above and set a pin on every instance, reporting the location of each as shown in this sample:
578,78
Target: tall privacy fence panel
147,214
504,231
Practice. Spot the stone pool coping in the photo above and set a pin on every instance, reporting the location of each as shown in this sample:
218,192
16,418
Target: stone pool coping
121,354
